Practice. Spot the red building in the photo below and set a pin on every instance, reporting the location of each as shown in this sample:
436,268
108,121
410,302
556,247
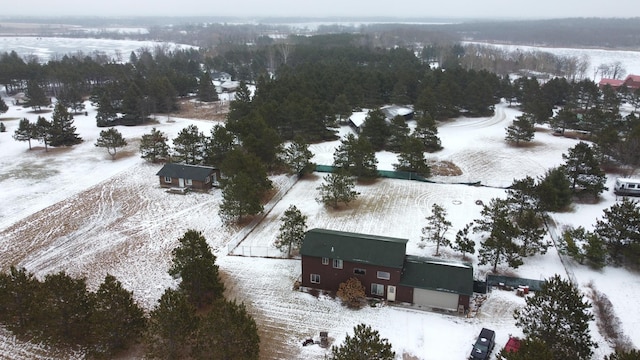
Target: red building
380,263
632,82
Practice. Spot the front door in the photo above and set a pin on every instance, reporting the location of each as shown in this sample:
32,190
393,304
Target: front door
181,182
391,293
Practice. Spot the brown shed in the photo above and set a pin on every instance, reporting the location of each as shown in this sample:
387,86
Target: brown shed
193,177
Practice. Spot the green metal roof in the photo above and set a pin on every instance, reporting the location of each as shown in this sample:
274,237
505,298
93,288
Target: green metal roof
184,171
437,274
354,247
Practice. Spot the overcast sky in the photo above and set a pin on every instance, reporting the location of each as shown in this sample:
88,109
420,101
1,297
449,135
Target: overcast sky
346,8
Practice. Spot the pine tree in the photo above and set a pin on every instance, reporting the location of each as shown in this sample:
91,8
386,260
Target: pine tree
554,190
106,113
24,132
62,132
632,354
292,230
531,233
411,158
376,129
206,90
3,107
240,198
499,246
171,324
337,188
352,293
356,157
116,320
620,231
583,170
229,332
153,146
3,128
298,157
437,227
366,344
558,316
188,146
521,130
111,140
133,104
427,132
41,131
195,264
398,133
37,96
19,301
463,243
218,145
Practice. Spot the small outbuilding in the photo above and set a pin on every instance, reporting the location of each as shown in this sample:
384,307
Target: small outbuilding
188,177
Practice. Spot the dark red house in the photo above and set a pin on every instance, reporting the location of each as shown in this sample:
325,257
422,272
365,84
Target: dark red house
632,82
192,177
380,263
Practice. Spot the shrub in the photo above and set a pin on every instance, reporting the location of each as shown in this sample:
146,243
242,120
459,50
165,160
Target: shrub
352,293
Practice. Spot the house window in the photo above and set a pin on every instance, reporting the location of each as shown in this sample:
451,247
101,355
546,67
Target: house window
384,275
167,179
315,279
359,271
377,289
207,179
188,182
325,261
337,264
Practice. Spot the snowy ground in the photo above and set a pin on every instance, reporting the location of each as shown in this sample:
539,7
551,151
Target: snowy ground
74,209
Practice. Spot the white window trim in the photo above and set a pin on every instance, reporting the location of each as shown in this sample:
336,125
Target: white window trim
337,264
325,261
167,179
384,275
207,179
188,182
377,287
316,277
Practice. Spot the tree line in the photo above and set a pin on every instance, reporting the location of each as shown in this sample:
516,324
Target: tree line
193,321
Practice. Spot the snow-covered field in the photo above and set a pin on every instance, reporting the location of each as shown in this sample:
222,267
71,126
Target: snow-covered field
51,48
74,209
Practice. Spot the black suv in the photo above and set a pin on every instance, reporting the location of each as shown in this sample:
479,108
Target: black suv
484,345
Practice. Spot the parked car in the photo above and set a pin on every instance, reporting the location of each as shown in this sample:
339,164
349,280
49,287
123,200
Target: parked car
484,345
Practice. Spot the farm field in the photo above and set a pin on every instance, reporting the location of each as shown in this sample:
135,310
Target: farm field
76,210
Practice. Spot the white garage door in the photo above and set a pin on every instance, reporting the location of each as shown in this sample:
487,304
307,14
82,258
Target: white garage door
436,299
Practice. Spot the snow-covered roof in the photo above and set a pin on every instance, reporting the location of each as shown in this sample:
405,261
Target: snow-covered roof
358,118
391,111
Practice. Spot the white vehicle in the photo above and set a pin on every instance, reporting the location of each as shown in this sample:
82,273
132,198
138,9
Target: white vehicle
627,187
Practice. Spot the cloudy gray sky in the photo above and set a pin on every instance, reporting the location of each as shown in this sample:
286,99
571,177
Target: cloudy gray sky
347,8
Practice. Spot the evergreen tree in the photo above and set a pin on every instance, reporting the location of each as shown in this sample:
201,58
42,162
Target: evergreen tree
188,146
583,170
195,264
240,197
218,145
71,98
206,90
3,107
64,310
36,95
463,243
227,332
499,246
376,129
292,230
531,233
116,320
19,301
437,227
411,158
558,316
62,132
298,157
111,140
564,119
521,130
356,157
427,132
3,128
24,132
620,231
171,325
632,354
337,188
342,108
366,344
240,107
153,146
106,112
398,133
41,131
554,190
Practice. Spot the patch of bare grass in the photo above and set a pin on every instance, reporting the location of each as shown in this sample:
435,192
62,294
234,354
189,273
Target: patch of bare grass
608,322
445,168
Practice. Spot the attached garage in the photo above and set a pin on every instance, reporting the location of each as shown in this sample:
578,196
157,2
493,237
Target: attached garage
437,283
435,299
